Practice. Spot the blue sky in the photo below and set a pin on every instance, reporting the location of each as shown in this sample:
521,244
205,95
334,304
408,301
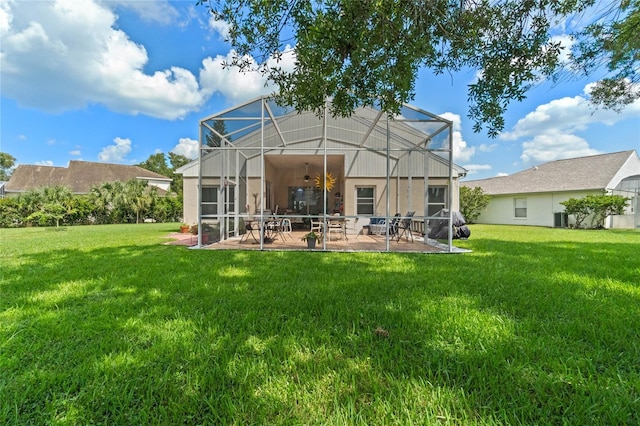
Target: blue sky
117,81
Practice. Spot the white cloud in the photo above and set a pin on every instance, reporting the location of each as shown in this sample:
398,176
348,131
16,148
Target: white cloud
566,42
502,174
568,115
461,152
549,147
65,55
220,27
5,18
238,86
75,152
44,163
115,152
187,147
550,129
487,147
475,168
149,10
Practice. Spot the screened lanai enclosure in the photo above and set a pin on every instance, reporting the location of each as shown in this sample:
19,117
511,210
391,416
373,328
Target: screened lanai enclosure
268,174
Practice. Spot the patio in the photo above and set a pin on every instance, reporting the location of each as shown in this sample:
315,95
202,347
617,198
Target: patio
262,160
364,243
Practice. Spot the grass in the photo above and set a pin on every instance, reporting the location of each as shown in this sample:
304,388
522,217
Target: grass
104,325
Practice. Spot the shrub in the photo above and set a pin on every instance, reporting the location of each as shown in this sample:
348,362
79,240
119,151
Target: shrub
10,214
472,202
599,207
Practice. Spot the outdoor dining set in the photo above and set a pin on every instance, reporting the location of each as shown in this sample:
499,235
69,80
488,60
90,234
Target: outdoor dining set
335,227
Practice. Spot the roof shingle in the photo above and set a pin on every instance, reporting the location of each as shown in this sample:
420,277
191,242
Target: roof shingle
80,176
575,174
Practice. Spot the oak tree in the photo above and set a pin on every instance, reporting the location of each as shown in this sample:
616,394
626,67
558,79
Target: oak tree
368,52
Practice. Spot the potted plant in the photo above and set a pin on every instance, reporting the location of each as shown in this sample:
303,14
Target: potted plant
206,229
311,238
184,228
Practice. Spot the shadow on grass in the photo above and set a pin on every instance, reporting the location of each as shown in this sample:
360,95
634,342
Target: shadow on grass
515,333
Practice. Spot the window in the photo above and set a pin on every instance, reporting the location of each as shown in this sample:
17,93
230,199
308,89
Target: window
437,199
302,200
210,199
520,207
365,200
229,199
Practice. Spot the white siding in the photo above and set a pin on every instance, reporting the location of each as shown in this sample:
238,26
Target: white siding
630,168
540,208
190,199
158,183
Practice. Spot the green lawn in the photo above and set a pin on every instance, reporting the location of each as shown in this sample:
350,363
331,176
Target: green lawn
104,325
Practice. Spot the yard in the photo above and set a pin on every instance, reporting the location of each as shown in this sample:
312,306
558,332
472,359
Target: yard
106,325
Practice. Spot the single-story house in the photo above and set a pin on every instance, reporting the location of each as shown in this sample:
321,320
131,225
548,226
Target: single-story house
80,176
262,157
533,196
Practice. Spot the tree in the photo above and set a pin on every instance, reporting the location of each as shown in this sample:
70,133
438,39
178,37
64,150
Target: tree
579,208
10,212
214,139
369,52
51,204
177,161
599,207
157,163
604,205
167,209
615,44
7,162
101,196
139,196
472,202
122,202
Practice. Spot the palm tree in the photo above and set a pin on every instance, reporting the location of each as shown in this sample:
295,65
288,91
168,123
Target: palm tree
50,203
102,197
138,198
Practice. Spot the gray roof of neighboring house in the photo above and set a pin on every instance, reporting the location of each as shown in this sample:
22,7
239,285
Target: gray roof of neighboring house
575,174
80,176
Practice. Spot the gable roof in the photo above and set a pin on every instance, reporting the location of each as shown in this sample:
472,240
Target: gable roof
594,172
80,176
368,128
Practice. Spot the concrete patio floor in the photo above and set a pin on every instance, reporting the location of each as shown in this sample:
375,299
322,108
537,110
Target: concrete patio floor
293,241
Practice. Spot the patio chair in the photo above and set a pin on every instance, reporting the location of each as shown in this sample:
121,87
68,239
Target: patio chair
317,225
404,227
377,227
336,226
274,229
285,227
249,227
393,226
353,228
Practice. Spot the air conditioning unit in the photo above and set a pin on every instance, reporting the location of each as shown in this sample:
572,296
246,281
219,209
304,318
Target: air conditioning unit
560,220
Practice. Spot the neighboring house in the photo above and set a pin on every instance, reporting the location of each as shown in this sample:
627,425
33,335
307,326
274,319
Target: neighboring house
2,185
533,196
261,156
80,176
